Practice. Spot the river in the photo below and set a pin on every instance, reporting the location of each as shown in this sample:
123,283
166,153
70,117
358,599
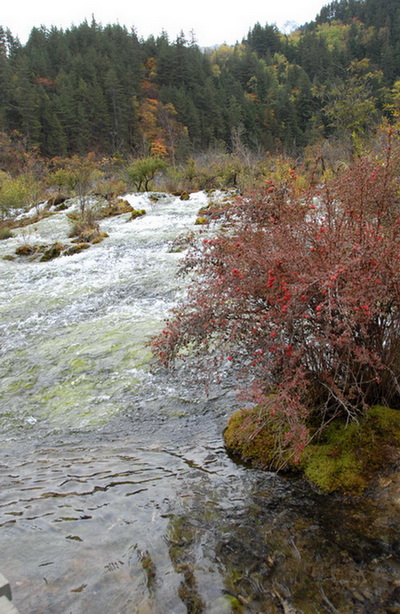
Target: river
117,494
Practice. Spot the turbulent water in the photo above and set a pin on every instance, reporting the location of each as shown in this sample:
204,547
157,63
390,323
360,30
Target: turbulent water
116,492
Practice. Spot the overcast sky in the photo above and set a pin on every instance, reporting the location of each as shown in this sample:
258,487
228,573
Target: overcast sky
213,21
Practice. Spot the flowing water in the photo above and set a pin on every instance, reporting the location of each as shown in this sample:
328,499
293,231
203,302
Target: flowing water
116,492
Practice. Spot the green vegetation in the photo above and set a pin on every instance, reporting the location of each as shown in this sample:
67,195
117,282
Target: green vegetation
140,173
16,193
345,457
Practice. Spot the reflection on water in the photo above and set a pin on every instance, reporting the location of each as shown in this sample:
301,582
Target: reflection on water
116,492
113,524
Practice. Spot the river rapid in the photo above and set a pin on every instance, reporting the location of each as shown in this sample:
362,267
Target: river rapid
117,494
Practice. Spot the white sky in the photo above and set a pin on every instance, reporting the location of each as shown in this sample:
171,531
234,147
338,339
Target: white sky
213,21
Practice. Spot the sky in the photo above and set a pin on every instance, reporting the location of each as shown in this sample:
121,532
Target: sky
212,21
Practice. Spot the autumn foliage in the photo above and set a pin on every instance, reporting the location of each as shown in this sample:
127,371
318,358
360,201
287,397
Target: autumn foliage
300,294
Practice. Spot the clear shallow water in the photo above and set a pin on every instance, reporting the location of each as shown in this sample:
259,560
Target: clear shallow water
116,492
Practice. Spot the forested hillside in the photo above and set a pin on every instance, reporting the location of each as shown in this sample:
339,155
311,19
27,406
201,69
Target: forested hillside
103,89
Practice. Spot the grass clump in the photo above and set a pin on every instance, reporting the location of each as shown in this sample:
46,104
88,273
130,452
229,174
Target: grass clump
85,227
5,233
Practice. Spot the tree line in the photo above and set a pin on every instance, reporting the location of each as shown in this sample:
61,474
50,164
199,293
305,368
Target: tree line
103,89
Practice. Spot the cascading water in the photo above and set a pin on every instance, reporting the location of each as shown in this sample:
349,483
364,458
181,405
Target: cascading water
116,491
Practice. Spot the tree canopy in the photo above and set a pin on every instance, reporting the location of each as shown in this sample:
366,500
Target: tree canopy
103,89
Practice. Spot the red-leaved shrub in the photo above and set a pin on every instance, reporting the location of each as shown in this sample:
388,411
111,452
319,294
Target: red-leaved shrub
302,293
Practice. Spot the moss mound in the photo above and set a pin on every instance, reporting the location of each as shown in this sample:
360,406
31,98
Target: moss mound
346,457
51,252
137,213
248,437
115,208
76,249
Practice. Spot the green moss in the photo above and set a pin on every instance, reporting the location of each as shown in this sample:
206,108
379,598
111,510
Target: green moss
201,221
254,440
137,213
345,458
331,470
349,456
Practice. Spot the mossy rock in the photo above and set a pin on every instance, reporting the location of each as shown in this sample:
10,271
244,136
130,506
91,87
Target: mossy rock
137,213
99,238
76,249
116,208
51,252
346,457
90,235
25,250
9,258
184,196
62,207
201,221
